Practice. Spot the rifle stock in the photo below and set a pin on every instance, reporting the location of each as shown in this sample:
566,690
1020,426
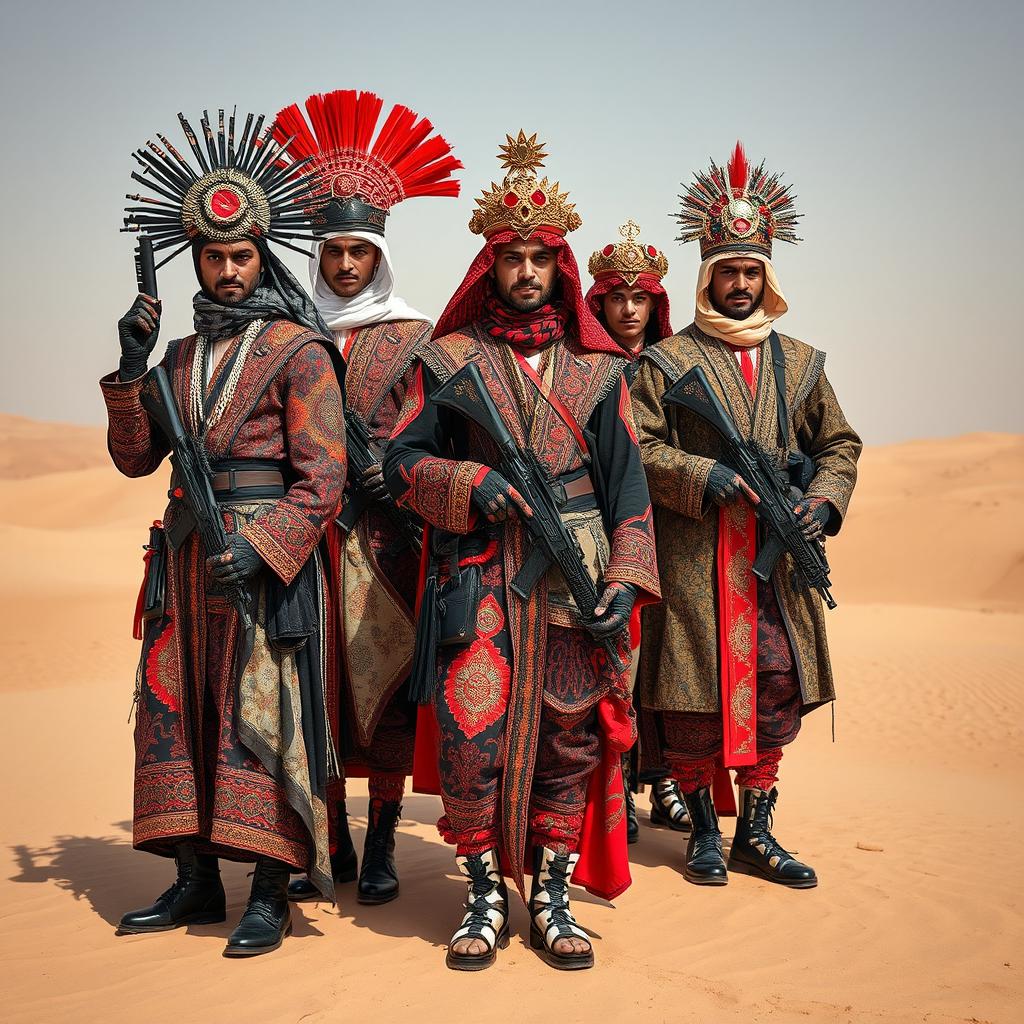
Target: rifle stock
692,391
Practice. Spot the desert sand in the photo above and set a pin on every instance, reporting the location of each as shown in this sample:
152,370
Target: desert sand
911,816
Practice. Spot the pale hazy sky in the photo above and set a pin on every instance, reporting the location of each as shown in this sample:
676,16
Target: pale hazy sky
898,123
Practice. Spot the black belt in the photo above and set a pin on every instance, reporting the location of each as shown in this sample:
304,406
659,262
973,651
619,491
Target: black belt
237,480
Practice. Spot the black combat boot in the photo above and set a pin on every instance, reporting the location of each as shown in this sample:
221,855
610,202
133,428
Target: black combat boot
344,864
197,897
755,851
378,877
267,918
705,864
668,809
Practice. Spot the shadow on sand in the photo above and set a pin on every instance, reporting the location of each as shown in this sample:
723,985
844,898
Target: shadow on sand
113,878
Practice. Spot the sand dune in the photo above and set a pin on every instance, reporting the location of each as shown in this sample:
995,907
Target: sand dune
910,816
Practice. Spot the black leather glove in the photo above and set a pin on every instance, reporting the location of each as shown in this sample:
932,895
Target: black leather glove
812,515
725,486
137,331
239,561
373,483
613,610
496,498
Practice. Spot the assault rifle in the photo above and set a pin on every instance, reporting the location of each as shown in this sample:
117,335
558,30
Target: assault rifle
187,455
192,480
692,391
362,454
553,542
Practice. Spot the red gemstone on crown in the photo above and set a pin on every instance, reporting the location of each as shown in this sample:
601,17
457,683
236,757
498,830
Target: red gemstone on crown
652,252
538,198
740,225
224,203
510,199
608,250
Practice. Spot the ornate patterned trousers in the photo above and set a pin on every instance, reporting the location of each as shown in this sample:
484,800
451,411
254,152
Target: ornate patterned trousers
471,705
692,743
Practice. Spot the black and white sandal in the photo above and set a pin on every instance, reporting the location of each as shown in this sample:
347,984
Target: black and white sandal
550,916
486,915
667,807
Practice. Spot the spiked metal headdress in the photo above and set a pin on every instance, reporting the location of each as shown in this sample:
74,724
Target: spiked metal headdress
236,192
360,178
737,209
521,202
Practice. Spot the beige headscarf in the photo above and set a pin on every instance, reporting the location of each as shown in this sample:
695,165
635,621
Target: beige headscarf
744,333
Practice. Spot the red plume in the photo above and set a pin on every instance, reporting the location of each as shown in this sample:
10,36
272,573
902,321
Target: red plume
402,162
739,169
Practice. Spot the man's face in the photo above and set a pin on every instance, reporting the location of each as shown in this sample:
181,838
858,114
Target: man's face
626,312
229,271
525,274
348,265
737,286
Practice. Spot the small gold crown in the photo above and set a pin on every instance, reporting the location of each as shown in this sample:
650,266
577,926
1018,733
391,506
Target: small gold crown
521,202
629,258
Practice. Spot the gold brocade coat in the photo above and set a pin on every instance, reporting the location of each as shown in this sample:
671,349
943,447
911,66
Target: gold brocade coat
679,654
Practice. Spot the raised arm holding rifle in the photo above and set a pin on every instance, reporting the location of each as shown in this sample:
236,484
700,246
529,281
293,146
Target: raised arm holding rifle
233,750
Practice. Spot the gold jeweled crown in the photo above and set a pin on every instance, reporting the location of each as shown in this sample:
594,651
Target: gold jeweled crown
629,258
736,209
521,202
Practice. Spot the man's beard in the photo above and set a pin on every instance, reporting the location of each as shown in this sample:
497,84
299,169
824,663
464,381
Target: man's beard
734,314
234,298
524,304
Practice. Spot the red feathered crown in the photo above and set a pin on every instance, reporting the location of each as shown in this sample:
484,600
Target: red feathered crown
737,209
364,176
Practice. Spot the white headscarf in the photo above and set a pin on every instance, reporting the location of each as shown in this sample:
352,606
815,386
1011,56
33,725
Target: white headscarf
374,304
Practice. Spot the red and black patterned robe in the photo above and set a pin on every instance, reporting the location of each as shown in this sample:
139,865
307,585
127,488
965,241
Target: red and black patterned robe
378,573
200,716
521,710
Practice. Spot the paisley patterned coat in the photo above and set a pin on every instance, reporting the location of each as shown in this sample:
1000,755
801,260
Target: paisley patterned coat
679,656
220,757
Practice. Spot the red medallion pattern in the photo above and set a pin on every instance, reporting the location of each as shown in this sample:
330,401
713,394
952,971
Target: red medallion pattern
490,619
162,669
477,686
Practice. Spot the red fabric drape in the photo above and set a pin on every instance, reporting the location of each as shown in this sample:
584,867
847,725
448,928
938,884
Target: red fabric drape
467,304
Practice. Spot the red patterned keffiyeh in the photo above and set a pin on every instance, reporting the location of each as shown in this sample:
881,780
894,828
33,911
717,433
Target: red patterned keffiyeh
469,302
529,332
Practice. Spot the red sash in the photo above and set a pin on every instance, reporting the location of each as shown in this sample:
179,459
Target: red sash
553,400
737,619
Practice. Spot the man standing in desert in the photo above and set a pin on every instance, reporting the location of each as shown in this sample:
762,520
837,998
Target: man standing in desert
630,301
232,755
525,691
353,284
730,664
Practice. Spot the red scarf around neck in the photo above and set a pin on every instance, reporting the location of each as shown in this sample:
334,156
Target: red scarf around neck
529,332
